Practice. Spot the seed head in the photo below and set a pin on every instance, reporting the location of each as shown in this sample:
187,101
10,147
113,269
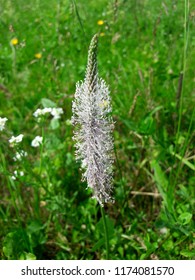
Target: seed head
93,129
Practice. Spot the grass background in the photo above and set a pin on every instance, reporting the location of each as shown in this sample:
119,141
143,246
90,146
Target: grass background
147,57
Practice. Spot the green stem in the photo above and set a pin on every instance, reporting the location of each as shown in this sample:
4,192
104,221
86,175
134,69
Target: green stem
185,47
41,151
105,232
13,61
185,43
37,188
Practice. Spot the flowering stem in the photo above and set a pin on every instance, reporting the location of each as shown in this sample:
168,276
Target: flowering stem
41,150
37,192
13,61
93,129
105,232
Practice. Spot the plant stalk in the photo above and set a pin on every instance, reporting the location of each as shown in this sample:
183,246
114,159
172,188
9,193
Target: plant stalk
105,232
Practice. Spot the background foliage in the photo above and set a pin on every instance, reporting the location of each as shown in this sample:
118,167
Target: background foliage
146,55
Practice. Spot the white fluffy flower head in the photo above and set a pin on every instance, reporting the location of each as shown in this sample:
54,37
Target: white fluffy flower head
41,112
2,123
93,129
37,141
19,155
14,140
17,174
56,113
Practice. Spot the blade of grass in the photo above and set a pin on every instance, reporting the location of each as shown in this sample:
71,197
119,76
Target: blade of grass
79,18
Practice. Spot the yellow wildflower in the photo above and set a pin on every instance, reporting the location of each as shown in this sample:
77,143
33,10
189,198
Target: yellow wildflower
38,55
100,22
102,34
14,41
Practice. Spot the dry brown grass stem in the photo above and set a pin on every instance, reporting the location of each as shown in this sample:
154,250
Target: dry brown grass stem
146,193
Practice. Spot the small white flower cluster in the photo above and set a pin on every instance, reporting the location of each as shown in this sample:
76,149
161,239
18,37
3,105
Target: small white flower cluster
55,112
41,112
14,140
2,123
17,174
37,141
19,155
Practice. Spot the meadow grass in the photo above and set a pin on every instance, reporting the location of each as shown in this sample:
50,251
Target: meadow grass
146,55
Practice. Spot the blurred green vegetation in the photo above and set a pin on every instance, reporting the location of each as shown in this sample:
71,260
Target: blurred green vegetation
147,57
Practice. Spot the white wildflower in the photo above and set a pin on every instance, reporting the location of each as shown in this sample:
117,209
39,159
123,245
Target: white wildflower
37,141
93,129
41,112
16,139
163,230
46,110
19,155
16,174
2,123
56,113
37,113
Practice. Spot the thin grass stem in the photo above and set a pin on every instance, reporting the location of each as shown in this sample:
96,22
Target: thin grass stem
186,36
180,101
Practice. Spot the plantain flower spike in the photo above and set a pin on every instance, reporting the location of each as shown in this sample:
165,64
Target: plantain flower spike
93,128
